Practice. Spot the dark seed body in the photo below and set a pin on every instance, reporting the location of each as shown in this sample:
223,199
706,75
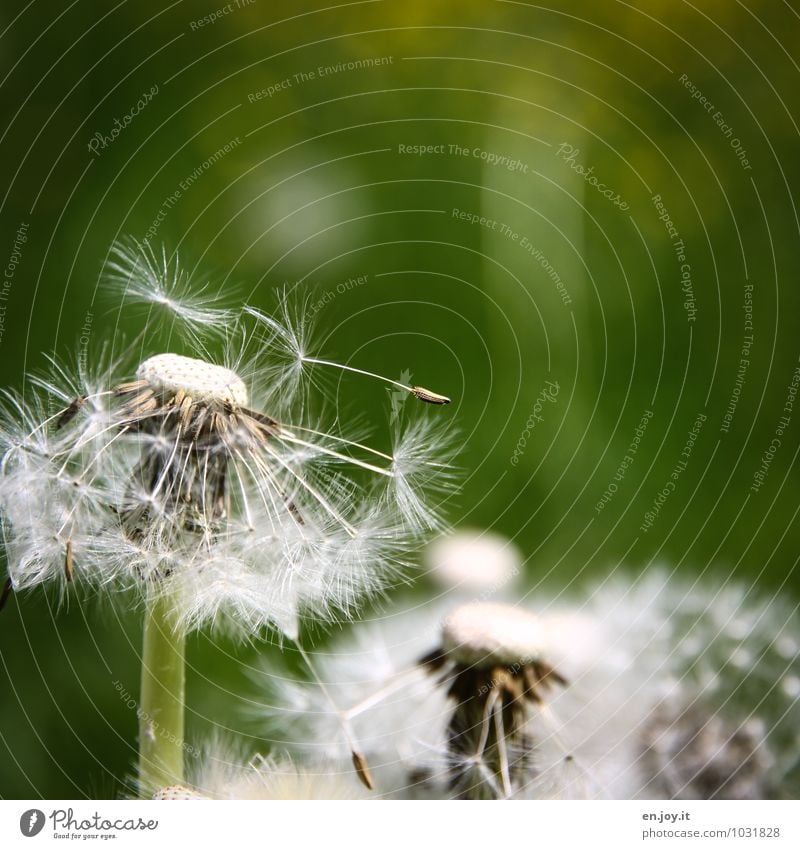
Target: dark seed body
69,414
429,397
5,593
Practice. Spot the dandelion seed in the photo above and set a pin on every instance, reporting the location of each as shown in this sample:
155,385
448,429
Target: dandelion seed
5,594
72,410
417,391
69,563
142,275
428,397
362,768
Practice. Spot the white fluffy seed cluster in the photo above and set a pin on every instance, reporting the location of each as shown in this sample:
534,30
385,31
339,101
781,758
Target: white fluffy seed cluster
487,634
254,533
649,661
169,374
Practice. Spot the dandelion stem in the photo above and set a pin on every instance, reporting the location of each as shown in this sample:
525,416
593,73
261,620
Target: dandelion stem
162,697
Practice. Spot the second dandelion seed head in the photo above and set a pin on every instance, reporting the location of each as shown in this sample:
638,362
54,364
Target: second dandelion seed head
491,662
486,634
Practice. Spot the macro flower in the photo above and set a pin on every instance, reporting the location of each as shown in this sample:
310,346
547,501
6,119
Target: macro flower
207,476
202,476
652,688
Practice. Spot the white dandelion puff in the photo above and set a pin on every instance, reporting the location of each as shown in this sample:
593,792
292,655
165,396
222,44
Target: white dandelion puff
422,461
647,689
445,713
168,477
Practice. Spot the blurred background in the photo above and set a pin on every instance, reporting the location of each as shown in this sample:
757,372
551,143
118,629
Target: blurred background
578,220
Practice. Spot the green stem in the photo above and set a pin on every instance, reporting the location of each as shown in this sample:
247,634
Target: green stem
162,697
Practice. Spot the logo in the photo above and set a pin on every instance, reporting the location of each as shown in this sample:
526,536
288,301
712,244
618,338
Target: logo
31,822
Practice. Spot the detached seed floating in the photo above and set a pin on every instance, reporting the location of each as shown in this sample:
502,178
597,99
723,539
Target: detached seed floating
422,394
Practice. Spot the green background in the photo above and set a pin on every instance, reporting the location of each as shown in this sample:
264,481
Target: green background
317,191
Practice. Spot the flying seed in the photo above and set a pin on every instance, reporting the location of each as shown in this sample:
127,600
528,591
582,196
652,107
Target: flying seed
362,768
429,397
69,563
69,414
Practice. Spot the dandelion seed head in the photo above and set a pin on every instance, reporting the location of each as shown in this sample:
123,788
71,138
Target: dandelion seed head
198,477
200,380
485,634
647,710
177,793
